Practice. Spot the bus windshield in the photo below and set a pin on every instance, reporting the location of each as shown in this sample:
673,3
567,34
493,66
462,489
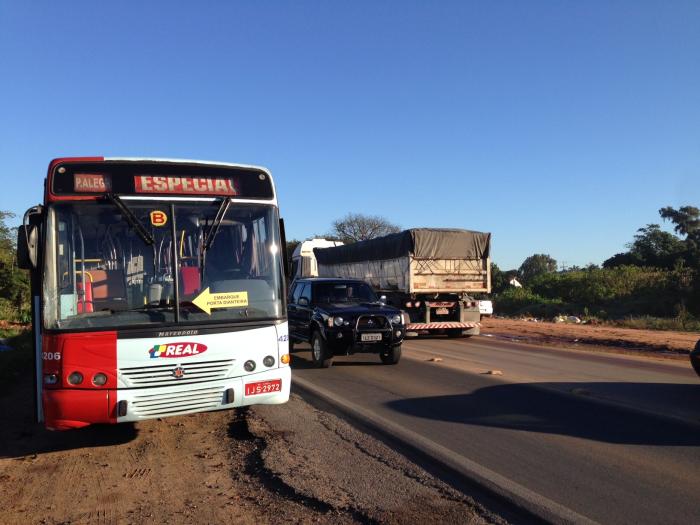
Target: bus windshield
112,266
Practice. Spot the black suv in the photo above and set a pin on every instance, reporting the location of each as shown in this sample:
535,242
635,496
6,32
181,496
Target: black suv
343,316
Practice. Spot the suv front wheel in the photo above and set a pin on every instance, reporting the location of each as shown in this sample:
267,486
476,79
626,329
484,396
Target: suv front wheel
391,355
320,354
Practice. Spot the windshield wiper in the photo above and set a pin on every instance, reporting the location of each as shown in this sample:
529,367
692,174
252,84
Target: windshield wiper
218,219
133,221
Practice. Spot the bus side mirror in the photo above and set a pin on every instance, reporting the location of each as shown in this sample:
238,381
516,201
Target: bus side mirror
28,239
283,240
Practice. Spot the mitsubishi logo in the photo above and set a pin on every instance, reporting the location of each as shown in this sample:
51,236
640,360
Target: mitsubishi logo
178,372
370,322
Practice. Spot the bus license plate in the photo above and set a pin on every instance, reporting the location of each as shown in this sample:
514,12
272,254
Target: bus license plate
370,337
263,387
442,311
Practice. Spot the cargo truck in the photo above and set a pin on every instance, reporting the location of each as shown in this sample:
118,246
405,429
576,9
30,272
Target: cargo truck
430,273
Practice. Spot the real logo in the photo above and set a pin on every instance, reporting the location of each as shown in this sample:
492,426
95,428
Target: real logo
177,350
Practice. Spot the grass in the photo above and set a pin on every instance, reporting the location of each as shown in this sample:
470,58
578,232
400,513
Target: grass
659,323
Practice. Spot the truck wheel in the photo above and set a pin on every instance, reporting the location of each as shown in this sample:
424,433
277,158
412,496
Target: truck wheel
319,352
391,356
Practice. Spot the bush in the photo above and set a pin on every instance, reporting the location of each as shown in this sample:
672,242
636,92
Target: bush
621,291
522,301
10,312
660,323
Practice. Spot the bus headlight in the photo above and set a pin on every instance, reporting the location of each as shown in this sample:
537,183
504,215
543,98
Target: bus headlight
338,321
75,378
99,379
249,366
269,361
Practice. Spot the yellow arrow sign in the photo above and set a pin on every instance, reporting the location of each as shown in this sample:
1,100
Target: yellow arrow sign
208,301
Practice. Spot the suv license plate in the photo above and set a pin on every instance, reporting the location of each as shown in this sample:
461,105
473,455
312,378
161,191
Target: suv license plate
370,337
263,387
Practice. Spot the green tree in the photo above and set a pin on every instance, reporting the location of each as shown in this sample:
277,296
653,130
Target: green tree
291,246
14,283
498,279
656,247
651,247
686,219
535,265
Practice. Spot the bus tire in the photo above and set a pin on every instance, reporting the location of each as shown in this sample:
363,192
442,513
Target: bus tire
320,356
390,356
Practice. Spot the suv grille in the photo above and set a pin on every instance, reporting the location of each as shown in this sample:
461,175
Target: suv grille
372,322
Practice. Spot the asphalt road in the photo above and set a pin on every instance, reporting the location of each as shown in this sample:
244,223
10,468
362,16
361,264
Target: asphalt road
615,439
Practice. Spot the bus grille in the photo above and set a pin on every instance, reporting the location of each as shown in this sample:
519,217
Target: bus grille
155,405
175,374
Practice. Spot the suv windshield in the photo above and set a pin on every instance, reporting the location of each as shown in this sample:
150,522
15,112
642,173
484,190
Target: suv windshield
101,272
344,293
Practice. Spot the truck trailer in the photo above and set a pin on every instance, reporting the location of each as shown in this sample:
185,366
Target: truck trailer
430,273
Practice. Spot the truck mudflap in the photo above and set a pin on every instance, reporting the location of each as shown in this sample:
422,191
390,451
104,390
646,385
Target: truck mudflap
441,326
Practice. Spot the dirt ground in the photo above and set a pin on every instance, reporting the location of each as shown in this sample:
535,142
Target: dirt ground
659,343
289,463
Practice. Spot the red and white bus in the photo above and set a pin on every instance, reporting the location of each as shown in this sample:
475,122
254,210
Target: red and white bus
158,290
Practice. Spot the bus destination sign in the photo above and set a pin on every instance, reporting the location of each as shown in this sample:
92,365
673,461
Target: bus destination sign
91,183
184,185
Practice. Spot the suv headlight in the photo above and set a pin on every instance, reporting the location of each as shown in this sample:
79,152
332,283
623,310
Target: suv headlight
397,319
338,321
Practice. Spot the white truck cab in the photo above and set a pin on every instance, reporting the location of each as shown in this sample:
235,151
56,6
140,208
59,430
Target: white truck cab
303,259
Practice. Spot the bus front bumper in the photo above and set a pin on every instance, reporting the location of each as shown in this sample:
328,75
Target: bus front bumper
66,408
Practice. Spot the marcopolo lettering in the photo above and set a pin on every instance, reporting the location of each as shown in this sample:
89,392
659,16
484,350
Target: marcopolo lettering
178,333
177,350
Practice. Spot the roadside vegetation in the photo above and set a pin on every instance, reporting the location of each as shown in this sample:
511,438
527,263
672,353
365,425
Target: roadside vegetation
15,355
15,336
654,284
14,283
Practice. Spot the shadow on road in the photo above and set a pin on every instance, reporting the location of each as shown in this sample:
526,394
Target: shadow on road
529,408
20,436
303,362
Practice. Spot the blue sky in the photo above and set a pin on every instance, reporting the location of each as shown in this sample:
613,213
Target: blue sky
561,127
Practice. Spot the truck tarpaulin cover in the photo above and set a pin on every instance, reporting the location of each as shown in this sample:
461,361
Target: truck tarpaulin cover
421,243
